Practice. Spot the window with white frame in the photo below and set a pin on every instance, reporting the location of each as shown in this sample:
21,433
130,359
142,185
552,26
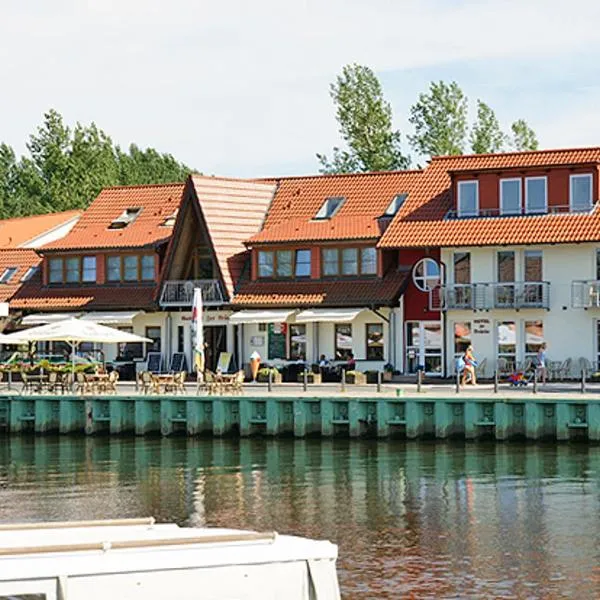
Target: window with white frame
330,207
534,338
7,274
580,196
468,198
510,196
395,205
426,274
506,337
31,271
462,337
536,195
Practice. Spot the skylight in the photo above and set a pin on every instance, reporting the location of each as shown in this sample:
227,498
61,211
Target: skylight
7,274
395,205
170,220
29,273
330,207
128,216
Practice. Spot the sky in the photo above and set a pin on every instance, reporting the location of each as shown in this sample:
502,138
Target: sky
241,87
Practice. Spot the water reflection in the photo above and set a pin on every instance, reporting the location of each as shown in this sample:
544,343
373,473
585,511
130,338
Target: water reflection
412,519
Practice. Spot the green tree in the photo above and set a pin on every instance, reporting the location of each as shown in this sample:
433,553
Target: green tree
523,137
440,120
138,166
365,121
486,135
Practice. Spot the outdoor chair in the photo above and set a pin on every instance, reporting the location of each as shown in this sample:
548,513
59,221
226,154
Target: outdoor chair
505,367
146,382
82,386
480,369
180,382
564,370
586,366
238,383
111,383
27,384
55,383
553,368
211,384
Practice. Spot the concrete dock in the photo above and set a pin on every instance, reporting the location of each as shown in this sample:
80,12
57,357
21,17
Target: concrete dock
558,413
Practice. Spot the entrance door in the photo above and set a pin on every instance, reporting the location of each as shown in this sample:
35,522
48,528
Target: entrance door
424,347
215,338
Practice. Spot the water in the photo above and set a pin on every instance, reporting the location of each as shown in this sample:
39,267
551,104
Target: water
412,520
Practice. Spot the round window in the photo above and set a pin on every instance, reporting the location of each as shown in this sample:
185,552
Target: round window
426,274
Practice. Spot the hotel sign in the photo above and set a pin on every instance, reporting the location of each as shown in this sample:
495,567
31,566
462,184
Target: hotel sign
481,326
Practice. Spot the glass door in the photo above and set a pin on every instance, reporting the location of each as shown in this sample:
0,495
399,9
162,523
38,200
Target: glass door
424,347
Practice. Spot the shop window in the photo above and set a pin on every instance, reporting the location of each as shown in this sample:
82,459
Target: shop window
131,350
343,341
534,337
506,336
153,333
462,337
374,341
298,342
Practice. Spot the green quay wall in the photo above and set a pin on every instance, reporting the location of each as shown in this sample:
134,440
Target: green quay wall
405,417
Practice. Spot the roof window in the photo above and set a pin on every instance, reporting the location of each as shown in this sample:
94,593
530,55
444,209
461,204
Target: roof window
395,205
170,220
330,207
7,274
29,273
128,216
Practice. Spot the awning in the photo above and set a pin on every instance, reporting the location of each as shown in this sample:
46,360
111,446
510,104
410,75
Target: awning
111,317
44,318
328,315
260,316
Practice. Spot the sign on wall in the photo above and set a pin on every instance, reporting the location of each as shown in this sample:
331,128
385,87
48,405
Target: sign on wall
277,340
481,326
257,341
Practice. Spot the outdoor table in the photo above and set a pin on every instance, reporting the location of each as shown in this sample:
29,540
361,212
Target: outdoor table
96,380
37,381
164,379
225,380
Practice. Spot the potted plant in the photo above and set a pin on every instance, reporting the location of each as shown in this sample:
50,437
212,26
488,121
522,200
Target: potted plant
356,378
263,375
313,375
388,372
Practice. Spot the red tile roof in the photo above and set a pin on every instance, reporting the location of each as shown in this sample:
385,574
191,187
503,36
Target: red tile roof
298,200
421,221
22,259
19,231
233,211
351,292
156,201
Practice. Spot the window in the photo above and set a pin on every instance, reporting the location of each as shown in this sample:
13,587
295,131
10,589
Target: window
88,269
374,341
505,290
303,259
350,261
265,264
536,200
426,274
130,350
297,342
330,207
154,334
506,334
343,341
462,338
534,337
462,268
533,265
170,220
180,338
55,270
510,196
331,261
73,270
284,263
148,267
128,216
395,205
7,274
29,273
130,268
113,268
468,198
580,193
368,261
598,265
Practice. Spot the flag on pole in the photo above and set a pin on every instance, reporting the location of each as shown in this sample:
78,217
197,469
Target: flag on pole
198,331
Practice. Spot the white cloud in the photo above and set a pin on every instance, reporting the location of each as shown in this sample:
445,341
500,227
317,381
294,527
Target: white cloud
241,87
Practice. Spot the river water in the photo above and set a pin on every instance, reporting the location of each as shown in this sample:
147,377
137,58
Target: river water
412,520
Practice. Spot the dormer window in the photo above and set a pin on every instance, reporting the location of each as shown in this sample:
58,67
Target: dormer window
330,207
536,195
395,205
7,274
128,216
581,193
468,198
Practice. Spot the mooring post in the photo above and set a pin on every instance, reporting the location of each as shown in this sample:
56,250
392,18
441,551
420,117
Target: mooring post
270,381
343,380
378,381
457,382
535,381
304,380
496,381
419,380
583,381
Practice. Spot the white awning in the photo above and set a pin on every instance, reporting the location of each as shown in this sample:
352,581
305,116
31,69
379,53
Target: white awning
328,315
112,317
44,318
260,316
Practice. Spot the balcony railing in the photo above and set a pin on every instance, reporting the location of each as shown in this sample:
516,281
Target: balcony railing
585,294
521,212
181,293
486,296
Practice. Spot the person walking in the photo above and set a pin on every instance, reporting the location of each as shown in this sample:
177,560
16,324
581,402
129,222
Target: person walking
470,364
540,364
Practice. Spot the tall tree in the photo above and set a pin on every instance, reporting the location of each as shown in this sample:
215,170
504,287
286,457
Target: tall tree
440,120
523,137
365,120
486,135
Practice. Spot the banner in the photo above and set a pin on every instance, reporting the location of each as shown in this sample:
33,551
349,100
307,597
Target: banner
198,331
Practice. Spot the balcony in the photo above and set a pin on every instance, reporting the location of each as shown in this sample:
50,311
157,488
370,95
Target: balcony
487,296
181,293
483,213
585,294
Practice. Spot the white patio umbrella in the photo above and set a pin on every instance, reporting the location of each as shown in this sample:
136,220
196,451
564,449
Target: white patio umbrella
72,331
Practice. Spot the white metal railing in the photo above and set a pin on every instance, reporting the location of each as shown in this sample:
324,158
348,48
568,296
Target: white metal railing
181,292
522,211
585,294
485,296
